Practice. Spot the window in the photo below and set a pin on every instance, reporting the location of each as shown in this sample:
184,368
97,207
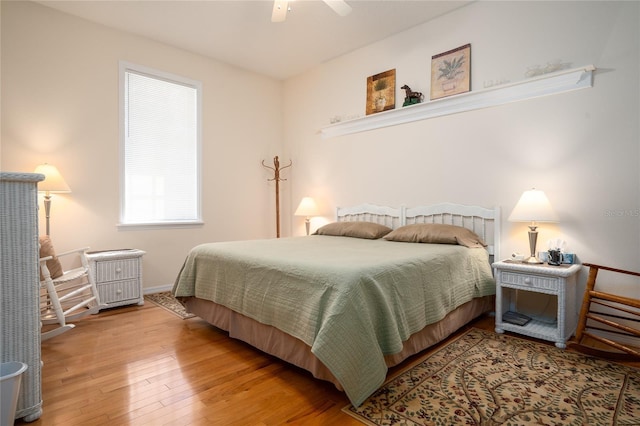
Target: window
160,148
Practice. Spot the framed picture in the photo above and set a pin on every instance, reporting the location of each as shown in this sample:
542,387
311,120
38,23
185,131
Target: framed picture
451,72
381,92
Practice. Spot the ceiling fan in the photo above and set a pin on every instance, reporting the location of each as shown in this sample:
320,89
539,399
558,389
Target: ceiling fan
280,9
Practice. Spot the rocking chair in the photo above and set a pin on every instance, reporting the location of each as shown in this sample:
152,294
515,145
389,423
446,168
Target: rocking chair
65,295
615,308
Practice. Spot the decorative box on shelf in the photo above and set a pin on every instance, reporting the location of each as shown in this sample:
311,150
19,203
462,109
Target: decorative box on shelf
118,276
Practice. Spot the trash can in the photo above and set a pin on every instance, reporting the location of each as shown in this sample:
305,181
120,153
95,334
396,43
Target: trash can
10,379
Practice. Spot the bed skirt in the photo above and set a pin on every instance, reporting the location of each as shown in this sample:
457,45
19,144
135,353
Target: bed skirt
279,344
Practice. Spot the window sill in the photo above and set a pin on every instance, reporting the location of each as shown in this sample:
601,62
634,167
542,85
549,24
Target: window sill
156,225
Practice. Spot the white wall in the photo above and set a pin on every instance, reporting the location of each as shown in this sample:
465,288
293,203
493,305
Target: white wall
581,148
60,105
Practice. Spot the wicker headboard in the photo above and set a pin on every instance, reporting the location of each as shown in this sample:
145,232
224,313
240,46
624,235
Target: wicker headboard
483,221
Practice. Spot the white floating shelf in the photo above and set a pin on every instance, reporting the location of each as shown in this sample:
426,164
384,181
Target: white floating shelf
547,84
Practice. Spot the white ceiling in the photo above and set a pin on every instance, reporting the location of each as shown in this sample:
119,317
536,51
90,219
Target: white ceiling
241,33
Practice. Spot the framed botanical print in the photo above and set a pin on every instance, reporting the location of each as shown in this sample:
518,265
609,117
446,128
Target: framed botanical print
451,72
381,92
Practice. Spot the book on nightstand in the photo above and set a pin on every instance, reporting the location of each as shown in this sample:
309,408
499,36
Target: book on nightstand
515,318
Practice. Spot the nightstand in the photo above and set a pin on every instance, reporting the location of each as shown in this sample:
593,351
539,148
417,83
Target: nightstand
118,276
559,281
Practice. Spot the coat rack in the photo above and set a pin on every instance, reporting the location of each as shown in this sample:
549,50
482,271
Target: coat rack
276,177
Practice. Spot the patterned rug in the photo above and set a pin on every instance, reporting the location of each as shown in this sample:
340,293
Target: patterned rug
166,300
484,378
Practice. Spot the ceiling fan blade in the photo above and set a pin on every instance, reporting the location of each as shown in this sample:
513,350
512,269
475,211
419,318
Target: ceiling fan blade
279,11
339,6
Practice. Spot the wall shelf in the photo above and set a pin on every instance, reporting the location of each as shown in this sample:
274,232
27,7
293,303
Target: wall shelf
547,84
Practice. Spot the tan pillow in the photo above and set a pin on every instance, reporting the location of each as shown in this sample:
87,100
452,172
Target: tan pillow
436,233
46,249
368,230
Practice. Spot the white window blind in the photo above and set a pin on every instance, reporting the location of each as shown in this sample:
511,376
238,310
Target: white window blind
161,148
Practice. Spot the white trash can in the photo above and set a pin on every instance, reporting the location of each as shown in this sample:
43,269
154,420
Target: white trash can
10,380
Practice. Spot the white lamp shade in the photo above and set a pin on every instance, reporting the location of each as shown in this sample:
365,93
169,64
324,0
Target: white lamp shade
533,206
53,180
307,207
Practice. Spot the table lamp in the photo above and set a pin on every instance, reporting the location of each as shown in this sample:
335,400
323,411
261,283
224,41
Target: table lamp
307,208
533,207
53,183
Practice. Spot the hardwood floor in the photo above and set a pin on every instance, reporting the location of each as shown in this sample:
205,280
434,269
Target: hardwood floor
141,365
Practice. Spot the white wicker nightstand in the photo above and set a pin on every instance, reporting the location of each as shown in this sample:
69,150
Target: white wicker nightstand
554,280
118,275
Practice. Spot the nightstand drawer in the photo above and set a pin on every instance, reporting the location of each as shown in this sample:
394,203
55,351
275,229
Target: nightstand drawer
115,270
119,291
529,281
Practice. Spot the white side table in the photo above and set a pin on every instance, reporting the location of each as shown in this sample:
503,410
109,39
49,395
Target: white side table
118,276
554,280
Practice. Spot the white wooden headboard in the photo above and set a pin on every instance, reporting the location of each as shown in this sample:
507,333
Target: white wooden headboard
483,221
389,216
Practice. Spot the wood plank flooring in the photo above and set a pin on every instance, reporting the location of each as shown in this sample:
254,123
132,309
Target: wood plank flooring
142,365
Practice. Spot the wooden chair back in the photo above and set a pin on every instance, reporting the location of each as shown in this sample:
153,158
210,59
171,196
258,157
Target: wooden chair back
617,308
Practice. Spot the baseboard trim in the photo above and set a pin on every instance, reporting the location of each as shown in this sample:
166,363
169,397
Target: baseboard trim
157,289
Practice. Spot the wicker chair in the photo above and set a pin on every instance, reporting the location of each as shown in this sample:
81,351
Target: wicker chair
616,308
68,297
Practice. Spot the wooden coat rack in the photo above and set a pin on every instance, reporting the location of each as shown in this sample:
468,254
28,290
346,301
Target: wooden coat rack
276,177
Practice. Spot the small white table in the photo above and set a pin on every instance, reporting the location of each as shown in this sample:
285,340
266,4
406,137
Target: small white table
118,276
560,281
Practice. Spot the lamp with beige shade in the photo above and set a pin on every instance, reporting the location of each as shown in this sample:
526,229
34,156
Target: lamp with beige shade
533,206
53,183
307,208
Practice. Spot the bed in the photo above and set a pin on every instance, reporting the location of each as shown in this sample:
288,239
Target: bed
344,306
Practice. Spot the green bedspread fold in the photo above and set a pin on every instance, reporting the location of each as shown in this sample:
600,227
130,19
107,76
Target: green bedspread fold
351,300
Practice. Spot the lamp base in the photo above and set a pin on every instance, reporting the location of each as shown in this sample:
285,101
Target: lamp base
47,210
533,238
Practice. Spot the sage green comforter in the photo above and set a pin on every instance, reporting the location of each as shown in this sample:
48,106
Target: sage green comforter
351,300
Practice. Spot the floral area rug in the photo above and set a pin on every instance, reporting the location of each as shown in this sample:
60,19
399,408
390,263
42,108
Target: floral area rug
166,300
484,378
